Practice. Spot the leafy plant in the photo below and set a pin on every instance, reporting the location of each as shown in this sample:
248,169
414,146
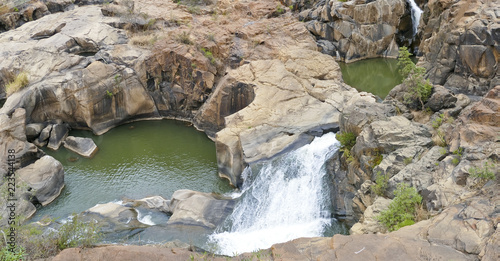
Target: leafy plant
413,78
209,55
18,254
381,184
77,233
402,209
487,172
109,94
376,159
408,160
458,153
280,9
19,82
347,141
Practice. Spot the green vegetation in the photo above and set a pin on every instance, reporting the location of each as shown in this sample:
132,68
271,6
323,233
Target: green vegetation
109,94
458,156
347,141
18,254
280,10
403,209
20,81
408,160
76,233
418,88
381,184
487,172
39,244
436,123
184,38
209,55
376,159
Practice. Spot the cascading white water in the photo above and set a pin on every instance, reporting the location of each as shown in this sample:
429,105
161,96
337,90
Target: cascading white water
416,12
283,201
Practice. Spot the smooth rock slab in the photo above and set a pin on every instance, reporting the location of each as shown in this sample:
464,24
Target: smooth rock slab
82,146
198,208
57,135
46,177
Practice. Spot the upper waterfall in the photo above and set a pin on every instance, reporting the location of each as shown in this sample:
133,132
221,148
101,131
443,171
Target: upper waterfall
416,13
282,199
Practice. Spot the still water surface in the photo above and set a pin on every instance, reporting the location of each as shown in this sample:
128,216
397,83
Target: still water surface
136,160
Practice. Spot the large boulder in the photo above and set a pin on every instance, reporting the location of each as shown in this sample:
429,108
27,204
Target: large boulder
82,146
113,217
45,177
58,133
194,208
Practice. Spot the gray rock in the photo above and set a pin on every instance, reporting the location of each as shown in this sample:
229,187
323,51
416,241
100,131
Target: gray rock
82,146
441,98
44,136
46,177
58,133
199,209
389,135
154,202
113,217
417,174
33,130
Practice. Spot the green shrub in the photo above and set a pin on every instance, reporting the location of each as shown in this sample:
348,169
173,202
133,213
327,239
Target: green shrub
347,141
19,82
408,160
487,172
376,159
209,55
402,209
381,184
77,233
18,254
413,78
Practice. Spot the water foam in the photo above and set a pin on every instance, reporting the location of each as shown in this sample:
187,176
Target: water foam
283,201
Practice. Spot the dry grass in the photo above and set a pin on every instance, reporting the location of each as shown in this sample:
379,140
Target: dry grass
144,39
19,82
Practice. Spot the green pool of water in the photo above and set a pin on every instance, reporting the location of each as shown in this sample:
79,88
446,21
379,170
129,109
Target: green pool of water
135,161
377,76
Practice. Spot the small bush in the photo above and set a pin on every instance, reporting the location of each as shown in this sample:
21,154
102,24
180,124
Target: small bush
18,254
408,160
77,233
376,159
184,38
402,209
413,78
487,172
209,55
381,184
19,82
347,141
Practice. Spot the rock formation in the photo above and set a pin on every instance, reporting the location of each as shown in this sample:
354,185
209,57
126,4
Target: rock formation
259,86
459,43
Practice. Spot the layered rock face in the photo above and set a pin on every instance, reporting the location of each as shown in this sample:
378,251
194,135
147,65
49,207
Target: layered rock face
357,29
460,44
307,95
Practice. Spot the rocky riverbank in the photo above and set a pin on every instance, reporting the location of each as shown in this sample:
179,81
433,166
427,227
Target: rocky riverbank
260,78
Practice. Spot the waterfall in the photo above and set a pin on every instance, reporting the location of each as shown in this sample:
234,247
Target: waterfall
282,199
416,12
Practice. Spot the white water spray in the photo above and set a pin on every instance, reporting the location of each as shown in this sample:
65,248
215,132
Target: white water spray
416,12
284,201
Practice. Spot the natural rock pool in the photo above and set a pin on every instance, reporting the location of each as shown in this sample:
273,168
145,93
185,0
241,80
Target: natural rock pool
377,76
134,161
